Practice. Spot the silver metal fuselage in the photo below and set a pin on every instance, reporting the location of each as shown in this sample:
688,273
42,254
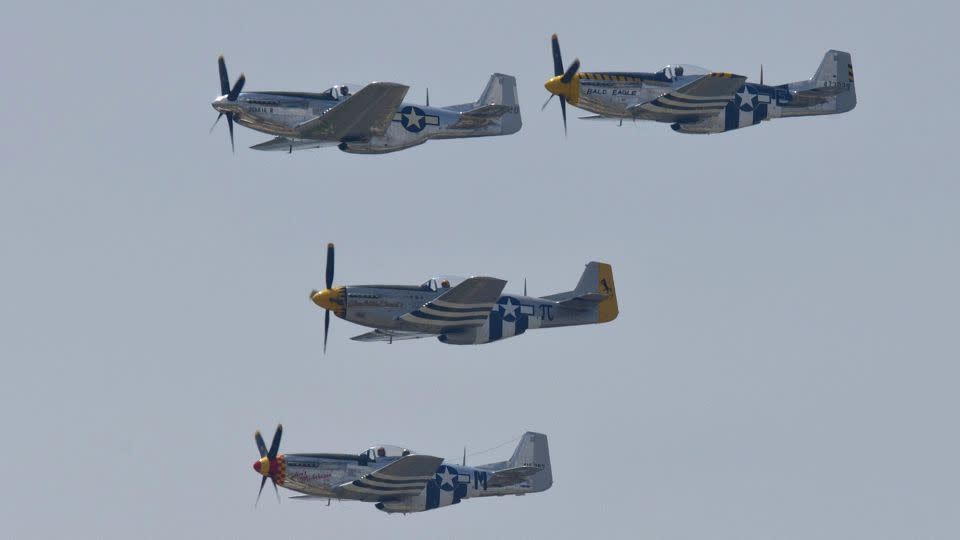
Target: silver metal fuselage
696,100
604,94
319,474
279,113
380,306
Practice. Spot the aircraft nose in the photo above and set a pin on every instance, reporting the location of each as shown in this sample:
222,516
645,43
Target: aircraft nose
222,104
262,466
329,299
256,466
554,86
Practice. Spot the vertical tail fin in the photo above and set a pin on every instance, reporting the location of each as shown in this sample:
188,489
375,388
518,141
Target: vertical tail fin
534,452
596,283
502,90
836,73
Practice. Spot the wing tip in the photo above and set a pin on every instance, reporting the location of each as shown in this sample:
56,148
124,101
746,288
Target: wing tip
389,84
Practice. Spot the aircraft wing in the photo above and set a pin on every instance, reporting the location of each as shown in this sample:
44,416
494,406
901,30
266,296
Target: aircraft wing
361,116
705,96
283,144
466,305
404,477
509,477
390,336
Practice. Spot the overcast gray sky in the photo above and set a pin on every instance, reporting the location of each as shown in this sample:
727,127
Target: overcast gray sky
785,364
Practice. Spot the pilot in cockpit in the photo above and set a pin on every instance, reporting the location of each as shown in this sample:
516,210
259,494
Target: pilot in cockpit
344,91
381,452
678,72
445,284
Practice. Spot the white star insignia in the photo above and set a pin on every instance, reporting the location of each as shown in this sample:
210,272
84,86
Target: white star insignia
746,97
446,477
509,309
413,119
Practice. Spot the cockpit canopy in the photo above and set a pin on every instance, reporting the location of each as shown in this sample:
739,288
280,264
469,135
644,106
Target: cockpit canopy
673,71
440,283
341,91
386,451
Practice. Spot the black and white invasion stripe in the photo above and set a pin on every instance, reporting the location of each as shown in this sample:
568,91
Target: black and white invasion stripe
441,313
679,103
378,483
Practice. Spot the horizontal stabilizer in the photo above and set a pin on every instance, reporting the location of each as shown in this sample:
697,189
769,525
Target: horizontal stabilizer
488,111
591,297
481,116
509,477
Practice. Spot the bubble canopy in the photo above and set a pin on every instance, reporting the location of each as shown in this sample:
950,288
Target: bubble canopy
386,451
672,71
437,283
341,91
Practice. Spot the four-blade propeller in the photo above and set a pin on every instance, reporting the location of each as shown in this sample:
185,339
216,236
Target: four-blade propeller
565,78
269,465
228,94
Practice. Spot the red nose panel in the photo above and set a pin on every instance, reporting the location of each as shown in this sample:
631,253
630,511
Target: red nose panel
256,466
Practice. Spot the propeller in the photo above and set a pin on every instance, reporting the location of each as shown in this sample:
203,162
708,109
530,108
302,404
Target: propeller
230,94
328,283
565,77
329,299
270,465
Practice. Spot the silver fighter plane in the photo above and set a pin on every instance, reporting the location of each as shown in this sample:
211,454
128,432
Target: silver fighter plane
399,480
472,311
364,119
696,100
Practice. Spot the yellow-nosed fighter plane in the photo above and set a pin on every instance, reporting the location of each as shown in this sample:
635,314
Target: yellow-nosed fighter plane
696,100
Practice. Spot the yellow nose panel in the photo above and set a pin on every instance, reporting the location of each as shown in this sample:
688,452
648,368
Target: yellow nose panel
569,90
330,299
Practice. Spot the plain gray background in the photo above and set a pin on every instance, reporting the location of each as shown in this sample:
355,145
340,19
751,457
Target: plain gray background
785,360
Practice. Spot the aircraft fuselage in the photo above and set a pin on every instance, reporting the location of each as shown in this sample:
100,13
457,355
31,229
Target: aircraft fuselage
318,475
380,306
279,114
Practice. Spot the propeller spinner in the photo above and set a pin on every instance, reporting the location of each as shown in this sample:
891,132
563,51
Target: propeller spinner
271,464
225,103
